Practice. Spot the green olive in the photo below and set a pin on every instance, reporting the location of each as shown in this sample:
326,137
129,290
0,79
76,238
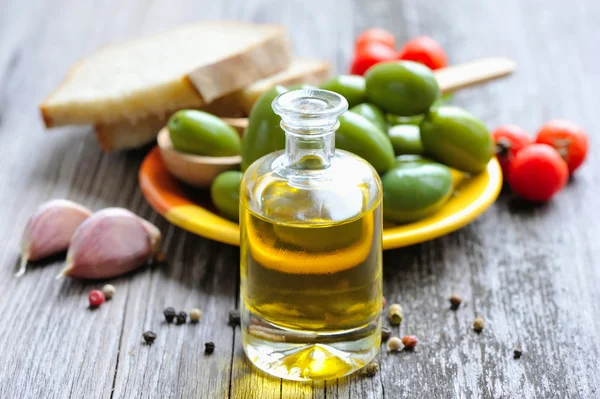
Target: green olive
200,133
263,134
415,188
359,136
457,138
404,88
225,194
352,87
406,139
372,113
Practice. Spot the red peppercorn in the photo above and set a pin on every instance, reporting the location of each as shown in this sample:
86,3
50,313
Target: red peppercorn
409,342
96,298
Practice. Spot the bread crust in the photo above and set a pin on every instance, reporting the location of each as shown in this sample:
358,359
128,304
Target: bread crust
195,89
223,77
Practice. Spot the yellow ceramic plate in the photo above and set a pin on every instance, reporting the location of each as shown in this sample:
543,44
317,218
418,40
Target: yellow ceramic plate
191,209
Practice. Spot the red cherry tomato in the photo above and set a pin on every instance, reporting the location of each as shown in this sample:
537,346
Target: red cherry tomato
569,139
509,140
370,54
375,35
537,172
425,50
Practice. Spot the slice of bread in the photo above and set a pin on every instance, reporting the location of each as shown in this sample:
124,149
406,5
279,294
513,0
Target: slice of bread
186,67
126,135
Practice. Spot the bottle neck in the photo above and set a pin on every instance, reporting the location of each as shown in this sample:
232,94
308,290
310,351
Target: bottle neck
309,119
309,151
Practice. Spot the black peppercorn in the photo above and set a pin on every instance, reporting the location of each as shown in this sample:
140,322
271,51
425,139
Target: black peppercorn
385,333
234,318
149,337
517,353
209,348
169,314
181,317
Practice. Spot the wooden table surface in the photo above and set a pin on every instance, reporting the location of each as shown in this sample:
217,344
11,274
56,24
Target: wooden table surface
531,272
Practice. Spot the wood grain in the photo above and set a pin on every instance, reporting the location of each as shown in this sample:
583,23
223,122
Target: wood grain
531,272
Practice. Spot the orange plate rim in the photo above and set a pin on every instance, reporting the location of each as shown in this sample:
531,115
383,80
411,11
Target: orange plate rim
167,197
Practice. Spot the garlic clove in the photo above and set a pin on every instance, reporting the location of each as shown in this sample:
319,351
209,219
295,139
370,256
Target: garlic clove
109,243
49,230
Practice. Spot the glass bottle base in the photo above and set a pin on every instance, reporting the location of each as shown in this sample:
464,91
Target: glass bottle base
307,356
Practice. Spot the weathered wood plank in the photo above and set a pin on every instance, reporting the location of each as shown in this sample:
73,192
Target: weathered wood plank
532,273
246,381
69,351
521,268
52,345
200,275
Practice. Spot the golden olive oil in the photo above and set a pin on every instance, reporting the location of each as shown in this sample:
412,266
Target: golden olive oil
311,248
324,277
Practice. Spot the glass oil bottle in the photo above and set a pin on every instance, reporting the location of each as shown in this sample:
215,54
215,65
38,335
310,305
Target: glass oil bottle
311,248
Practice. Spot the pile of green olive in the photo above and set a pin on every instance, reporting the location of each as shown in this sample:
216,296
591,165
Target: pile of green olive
398,123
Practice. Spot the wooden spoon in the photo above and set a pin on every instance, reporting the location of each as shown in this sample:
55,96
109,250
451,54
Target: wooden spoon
195,170
238,124
459,76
